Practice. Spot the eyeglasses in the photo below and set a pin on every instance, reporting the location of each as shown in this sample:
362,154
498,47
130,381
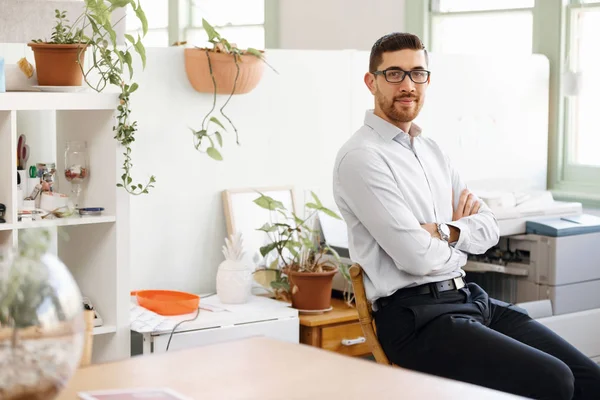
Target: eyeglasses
396,75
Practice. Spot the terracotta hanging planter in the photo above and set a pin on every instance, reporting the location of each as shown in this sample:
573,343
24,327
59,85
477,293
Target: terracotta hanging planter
224,71
313,292
56,64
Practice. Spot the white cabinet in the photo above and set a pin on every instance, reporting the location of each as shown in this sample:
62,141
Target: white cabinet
95,249
260,316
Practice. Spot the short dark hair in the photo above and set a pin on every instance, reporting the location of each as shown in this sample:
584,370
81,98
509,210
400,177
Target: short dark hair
394,42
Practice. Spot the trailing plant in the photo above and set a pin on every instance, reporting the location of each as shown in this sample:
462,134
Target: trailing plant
294,243
110,62
209,129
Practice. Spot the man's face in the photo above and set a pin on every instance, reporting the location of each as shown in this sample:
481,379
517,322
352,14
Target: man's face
400,102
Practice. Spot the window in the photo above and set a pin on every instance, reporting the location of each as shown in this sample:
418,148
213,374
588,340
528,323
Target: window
472,26
240,21
582,127
566,32
157,14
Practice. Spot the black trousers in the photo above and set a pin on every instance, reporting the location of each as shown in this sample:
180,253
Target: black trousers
466,336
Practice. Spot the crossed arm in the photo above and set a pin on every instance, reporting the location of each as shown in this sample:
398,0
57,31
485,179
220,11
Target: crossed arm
467,206
371,192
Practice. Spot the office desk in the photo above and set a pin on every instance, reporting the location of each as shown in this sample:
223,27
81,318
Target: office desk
263,368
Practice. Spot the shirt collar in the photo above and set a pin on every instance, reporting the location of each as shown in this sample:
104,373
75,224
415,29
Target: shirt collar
389,132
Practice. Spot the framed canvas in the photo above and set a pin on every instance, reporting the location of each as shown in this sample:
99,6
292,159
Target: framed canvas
244,216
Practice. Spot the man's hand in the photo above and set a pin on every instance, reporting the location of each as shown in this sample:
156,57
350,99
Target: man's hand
432,229
466,205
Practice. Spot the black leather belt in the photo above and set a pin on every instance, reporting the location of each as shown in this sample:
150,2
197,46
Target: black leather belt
427,288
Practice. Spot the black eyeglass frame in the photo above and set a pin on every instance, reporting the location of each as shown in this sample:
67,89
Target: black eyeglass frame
409,73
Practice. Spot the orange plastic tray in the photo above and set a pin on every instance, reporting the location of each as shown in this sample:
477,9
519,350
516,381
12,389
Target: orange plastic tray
167,302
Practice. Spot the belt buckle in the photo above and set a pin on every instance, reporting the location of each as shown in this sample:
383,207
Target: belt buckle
459,283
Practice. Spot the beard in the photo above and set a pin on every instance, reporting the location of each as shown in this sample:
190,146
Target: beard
396,111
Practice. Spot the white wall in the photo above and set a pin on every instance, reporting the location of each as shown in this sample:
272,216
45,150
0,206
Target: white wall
24,20
337,24
290,128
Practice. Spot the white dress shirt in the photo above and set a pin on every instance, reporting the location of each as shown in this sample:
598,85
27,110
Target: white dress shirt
387,183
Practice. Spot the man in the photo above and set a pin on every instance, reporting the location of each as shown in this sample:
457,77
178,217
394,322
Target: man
411,222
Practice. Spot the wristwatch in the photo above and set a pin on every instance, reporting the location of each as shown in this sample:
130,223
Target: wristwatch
444,232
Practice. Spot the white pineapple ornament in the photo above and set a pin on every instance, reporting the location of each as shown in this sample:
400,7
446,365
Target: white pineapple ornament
234,277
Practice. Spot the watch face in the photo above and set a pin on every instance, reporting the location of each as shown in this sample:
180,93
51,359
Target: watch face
445,229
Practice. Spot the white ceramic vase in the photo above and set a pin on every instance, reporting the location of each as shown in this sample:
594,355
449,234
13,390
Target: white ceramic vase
234,282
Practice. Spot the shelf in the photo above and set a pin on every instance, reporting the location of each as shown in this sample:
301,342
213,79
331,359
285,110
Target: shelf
73,221
104,329
57,101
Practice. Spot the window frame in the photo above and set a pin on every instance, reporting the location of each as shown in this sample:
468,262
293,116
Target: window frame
575,177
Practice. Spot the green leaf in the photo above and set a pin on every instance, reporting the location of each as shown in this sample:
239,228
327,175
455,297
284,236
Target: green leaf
128,62
99,10
133,88
210,31
94,25
335,253
219,138
268,248
214,153
119,3
142,17
216,121
312,205
330,213
130,38
111,32
292,246
267,228
200,134
141,50
316,198
254,52
268,203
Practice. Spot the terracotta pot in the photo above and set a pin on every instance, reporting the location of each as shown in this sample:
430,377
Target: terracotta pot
314,289
224,71
56,64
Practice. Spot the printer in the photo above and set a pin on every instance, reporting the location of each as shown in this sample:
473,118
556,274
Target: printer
557,259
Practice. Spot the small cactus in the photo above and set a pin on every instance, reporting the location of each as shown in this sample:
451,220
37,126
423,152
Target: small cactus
234,247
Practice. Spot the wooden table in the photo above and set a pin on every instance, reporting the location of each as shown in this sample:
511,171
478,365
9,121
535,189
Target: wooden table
263,368
336,330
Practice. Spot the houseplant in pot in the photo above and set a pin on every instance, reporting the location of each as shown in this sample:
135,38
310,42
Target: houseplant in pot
58,60
41,320
300,268
221,69
110,63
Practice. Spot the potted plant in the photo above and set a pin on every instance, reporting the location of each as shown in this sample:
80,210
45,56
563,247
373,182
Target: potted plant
302,272
41,324
222,69
60,62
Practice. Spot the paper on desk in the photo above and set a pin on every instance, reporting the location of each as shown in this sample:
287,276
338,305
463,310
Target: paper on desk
145,321
142,320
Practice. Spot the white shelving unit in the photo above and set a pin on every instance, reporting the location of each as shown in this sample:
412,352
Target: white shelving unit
95,249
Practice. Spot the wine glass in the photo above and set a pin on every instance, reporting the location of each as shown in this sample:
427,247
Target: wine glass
76,166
